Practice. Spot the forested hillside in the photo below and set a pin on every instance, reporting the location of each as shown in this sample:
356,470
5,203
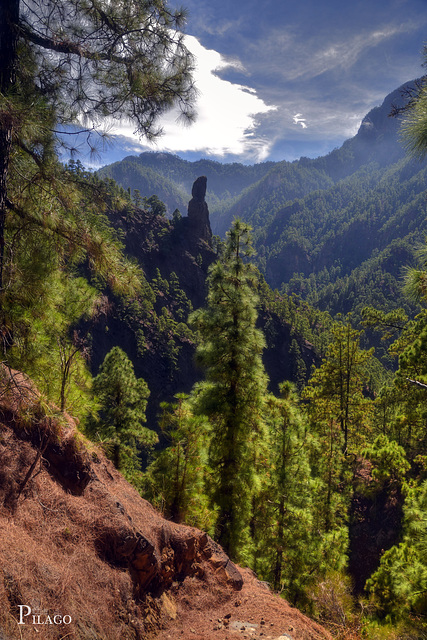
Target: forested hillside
254,416
175,256
163,174
337,230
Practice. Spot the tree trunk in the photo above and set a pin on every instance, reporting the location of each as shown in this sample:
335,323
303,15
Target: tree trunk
9,18
278,565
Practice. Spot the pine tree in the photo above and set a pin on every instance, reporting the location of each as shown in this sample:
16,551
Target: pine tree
51,340
60,226
123,400
233,396
299,370
340,383
402,405
399,586
70,60
287,546
414,126
339,416
174,481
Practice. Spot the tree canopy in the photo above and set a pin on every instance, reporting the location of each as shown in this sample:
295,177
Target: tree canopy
94,58
81,61
236,383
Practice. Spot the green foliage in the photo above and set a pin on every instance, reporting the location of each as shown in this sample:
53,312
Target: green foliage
337,231
388,323
176,216
175,479
233,396
268,196
271,478
340,419
287,545
64,210
305,321
122,399
337,389
299,372
171,178
399,586
59,231
53,219
50,344
414,126
389,463
132,57
402,405
155,206
130,173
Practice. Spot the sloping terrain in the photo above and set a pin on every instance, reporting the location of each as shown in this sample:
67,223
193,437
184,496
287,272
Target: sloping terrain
175,257
83,556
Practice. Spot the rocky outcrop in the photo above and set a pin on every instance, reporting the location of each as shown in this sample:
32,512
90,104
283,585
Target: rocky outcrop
181,246
198,212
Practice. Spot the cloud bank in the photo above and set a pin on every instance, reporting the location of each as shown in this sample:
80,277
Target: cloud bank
282,80
228,114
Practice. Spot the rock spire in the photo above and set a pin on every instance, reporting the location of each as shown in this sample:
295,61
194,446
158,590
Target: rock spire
198,212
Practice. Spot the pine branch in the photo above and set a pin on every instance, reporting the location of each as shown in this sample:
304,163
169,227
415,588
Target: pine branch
71,48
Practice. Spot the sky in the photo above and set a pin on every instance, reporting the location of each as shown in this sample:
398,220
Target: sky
281,79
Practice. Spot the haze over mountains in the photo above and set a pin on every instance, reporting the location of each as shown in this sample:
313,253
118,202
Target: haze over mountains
337,229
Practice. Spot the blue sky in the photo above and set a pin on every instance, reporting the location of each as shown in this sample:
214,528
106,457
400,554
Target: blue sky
281,79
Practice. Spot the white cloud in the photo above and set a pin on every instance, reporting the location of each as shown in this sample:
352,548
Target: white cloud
227,114
298,120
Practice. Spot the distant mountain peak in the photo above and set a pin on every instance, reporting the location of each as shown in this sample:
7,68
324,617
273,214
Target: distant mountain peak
380,119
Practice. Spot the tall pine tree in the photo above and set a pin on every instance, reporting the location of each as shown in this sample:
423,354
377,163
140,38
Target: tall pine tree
174,481
65,60
233,395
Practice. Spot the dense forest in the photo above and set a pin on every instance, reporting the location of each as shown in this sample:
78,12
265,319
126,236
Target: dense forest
335,230
266,384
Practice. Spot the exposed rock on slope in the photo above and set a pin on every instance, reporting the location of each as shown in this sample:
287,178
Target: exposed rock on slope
79,546
198,213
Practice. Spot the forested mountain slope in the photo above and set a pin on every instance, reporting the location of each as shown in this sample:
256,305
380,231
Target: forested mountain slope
337,230
360,232
175,256
377,141
282,438
171,178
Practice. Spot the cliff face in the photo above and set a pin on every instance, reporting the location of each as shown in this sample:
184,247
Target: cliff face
182,246
83,556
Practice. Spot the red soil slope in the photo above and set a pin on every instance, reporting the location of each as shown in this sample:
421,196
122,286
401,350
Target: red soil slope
84,557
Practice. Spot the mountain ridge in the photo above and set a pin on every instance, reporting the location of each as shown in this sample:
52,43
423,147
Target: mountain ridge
319,223
235,177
